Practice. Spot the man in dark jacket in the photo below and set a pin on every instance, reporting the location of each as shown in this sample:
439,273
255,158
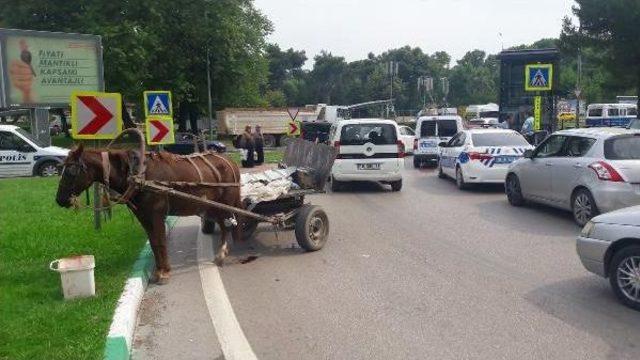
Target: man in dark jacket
246,142
259,143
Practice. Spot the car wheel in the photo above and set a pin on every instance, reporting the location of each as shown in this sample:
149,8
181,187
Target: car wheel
584,207
460,179
416,162
48,168
335,185
513,190
624,276
441,174
396,185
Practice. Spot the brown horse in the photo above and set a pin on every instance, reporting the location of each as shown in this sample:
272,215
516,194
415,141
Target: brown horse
84,167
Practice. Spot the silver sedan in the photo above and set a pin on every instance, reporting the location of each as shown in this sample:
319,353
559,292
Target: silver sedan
609,246
586,171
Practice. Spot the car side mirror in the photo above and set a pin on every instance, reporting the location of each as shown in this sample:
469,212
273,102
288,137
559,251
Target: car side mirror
528,154
443,144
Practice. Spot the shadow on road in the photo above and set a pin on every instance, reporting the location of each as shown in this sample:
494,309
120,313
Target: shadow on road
530,219
588,304
363,187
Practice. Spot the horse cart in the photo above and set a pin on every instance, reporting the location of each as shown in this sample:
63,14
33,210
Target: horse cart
310,166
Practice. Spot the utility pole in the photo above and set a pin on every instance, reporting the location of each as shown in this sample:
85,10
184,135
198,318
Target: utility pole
445,90
209,94
392,70
425,84
578,90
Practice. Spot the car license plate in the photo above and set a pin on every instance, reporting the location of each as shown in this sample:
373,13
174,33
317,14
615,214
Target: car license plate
505,159
428,144
374,166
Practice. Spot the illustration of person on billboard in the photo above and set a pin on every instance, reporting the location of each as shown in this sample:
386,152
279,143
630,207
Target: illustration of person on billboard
22,74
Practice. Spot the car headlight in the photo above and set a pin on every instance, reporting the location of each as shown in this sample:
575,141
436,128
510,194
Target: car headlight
587,230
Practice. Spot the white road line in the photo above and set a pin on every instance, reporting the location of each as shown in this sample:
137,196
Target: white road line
230,335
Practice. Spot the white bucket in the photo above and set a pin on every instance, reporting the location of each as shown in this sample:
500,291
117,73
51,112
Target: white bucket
76,274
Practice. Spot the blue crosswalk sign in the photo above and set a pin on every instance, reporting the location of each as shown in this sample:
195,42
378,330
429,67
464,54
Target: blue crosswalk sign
538,77
158,103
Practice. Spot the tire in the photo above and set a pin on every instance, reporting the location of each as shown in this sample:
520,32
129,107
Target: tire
208,226
625,259
312,227
269,140
396,185
460,179
335,185
48,168
583,206
441,174
416,162
513,190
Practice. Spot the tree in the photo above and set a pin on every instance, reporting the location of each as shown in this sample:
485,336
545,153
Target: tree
283,65
327,77
611,27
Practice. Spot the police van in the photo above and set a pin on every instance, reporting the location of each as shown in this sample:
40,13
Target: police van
611,114
22,155
431,131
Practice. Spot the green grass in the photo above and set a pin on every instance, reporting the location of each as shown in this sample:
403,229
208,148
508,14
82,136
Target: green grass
62,141
270,157
35,321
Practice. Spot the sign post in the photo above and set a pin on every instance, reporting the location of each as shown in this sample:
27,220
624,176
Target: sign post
158,103
96,115
537,113
293,128
159,130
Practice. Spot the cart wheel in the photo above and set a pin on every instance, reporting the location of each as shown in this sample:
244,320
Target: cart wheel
249,227
312,227
208,226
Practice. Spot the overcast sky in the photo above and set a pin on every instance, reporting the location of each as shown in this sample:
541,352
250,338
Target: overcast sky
353,28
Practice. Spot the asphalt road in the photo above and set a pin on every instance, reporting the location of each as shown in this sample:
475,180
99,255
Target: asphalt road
430,272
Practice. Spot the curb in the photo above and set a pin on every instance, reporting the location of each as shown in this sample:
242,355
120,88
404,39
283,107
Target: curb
118,344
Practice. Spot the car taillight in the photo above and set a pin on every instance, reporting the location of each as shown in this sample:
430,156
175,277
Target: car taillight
605,171
415,144
400,149
336,145
479,156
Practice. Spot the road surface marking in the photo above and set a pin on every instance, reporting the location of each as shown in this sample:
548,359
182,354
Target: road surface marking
230,335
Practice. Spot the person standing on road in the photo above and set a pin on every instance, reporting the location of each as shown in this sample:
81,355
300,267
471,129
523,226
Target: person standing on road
508,122
527,128
247,143
259,143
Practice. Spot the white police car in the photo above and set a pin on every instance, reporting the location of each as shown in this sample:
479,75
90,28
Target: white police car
22,155
480,155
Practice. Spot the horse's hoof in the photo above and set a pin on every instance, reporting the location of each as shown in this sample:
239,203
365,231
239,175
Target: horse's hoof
219,261
163,279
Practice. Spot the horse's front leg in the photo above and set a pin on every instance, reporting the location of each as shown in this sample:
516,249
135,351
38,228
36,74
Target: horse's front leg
163,268
147,223
223,247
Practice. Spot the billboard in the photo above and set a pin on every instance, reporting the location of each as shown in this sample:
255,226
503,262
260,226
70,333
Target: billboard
42,69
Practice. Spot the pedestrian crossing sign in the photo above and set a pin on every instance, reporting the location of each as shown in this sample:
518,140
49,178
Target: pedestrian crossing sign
157,103
538,77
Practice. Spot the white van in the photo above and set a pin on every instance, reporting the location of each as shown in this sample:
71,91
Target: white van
611,114
368,150
22,155
430,131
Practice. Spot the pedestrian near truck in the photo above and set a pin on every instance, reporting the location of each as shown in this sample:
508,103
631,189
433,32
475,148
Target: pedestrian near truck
246,144
259,144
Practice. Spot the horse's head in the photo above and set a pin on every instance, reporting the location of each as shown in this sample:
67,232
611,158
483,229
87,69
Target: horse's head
77,176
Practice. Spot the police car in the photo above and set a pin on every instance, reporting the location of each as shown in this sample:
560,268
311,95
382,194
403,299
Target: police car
480,155
22,155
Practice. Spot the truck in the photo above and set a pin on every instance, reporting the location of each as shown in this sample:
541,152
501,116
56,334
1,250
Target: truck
273,121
